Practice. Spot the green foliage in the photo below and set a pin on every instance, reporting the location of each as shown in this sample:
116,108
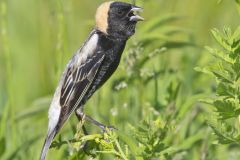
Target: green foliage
149,139
150,136
227,72
94,145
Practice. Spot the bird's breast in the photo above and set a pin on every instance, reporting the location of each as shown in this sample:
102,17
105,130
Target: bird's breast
112,51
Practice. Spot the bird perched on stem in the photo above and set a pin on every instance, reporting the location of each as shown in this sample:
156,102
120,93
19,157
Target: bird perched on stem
91,66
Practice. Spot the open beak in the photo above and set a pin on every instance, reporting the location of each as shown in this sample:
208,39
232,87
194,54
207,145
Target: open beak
135,17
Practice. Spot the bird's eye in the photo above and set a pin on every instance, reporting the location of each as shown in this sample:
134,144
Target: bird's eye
120,12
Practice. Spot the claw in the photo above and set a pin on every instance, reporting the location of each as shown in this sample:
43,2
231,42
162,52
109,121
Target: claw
111,128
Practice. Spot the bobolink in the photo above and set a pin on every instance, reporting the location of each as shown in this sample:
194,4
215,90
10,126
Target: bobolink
92,65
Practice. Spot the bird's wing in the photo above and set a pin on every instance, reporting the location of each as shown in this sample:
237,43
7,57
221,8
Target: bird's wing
77,81
77,78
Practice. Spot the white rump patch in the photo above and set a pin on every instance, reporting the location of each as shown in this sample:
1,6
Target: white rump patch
54,111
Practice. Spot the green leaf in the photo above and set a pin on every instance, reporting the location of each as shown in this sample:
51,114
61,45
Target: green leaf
236,40
236,68
222,136
236,34
227,72
222,77
225,108
225,90
220,55
221,40
205,70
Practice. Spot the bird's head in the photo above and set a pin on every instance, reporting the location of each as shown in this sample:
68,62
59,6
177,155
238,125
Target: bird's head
117,19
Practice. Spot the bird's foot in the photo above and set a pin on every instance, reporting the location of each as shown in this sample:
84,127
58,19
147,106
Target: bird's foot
107,128
85,117
103,127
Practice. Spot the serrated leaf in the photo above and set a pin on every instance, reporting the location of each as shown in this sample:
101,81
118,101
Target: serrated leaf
222,77
227,73
228,33
220,55
221,39
221,136
236,41
225,90
225,108
236,68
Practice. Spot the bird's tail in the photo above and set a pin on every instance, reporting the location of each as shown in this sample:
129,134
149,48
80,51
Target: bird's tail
47,143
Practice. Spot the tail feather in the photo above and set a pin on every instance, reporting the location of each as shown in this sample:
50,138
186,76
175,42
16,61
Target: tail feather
47,143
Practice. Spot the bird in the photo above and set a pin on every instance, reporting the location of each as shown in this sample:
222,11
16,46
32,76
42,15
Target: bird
91,66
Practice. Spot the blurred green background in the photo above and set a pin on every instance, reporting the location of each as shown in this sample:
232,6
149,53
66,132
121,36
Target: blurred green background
38,38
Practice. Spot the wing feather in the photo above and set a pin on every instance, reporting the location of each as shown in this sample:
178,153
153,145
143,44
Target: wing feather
76,83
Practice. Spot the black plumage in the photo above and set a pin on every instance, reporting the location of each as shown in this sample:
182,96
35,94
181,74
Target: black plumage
112,49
